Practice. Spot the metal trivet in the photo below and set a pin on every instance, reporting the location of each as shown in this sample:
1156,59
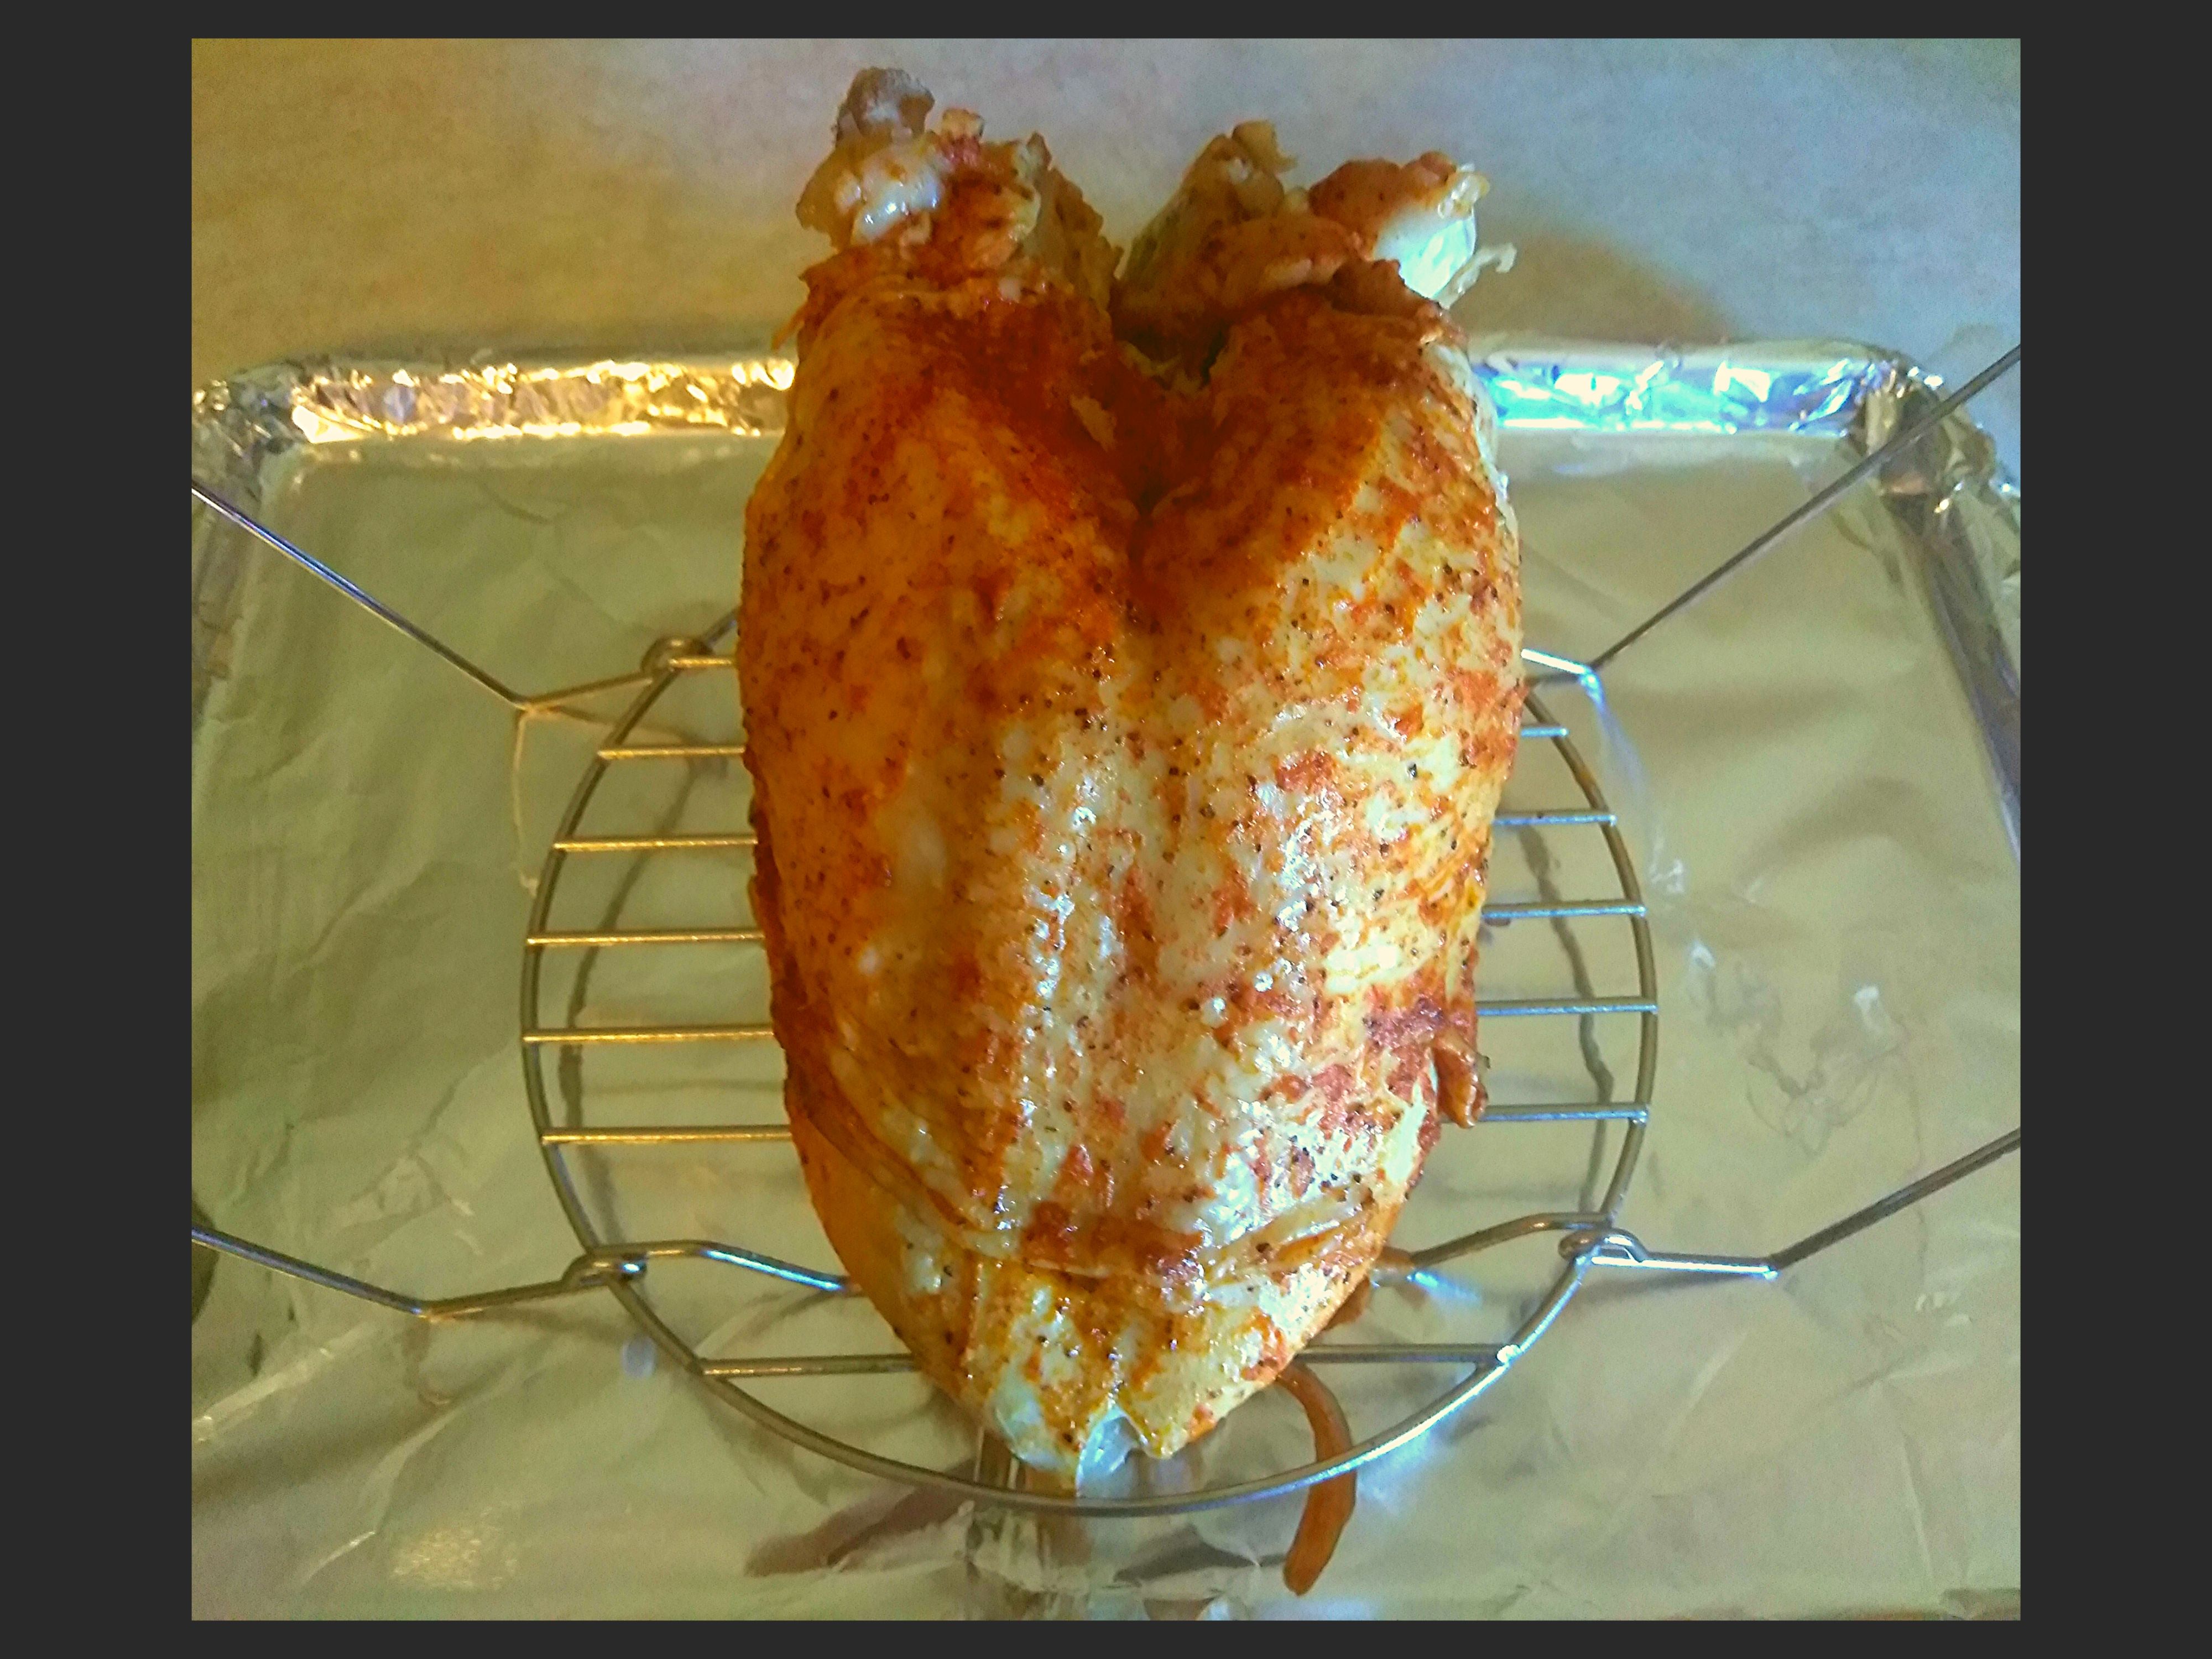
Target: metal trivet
1589,1238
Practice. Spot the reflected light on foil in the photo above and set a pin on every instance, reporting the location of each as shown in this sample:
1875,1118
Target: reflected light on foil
1729,377
456,1557
510,400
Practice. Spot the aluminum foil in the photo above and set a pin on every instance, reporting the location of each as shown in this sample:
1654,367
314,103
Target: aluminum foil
1817,766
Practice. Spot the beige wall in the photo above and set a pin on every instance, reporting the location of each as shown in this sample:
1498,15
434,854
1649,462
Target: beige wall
360,195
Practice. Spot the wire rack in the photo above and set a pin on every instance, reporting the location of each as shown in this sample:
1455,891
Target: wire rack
1590,1238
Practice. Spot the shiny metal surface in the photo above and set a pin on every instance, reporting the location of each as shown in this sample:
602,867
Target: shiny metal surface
1919,427
1829,393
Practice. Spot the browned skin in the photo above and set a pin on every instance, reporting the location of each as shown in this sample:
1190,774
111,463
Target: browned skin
1122,808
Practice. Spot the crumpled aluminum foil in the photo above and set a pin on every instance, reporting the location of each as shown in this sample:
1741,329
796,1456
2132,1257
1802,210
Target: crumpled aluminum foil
1818,766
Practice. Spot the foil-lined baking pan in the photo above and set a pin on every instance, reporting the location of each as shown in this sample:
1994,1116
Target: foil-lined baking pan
1817,766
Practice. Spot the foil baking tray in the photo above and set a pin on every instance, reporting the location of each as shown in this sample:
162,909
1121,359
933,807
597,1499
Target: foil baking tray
1817,766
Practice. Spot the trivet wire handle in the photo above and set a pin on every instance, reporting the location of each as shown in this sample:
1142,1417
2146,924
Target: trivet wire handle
1624,1249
